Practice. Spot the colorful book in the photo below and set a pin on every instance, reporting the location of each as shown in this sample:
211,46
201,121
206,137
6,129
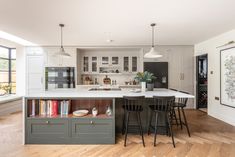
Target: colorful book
43,108
54,108
33,108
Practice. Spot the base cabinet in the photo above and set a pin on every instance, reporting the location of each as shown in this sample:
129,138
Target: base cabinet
51,121
47,131
93,131
70,131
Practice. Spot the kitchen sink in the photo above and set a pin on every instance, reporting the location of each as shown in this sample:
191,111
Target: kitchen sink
104,89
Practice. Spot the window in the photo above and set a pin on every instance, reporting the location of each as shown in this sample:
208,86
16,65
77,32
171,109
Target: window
8,68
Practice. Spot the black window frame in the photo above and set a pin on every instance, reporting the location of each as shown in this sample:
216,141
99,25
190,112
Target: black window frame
9,66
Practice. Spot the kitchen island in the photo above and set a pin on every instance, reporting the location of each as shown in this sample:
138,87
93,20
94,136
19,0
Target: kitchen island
68,129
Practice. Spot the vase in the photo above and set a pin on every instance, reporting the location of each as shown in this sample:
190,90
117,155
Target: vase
143,86
150,86
94,112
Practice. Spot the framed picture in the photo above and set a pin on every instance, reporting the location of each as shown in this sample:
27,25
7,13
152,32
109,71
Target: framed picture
227,77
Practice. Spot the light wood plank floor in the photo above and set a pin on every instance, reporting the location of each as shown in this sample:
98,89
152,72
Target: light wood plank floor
210,137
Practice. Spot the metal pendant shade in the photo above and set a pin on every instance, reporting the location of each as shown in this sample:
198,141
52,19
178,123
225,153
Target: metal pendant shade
62,52
153,53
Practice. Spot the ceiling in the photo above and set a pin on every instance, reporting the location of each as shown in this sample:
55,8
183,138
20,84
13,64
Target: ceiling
126,22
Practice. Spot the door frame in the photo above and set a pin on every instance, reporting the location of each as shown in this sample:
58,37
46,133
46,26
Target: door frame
197,84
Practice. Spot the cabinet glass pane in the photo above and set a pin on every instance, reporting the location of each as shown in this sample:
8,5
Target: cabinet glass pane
105,60
134,64
126,64
114,60
85,64
94,64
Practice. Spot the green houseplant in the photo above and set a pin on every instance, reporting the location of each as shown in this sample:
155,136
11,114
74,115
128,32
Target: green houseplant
145,77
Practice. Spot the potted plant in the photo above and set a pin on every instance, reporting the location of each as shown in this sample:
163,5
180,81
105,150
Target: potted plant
144,77
150,81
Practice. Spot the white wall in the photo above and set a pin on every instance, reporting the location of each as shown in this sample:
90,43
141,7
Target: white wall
20,65
215,109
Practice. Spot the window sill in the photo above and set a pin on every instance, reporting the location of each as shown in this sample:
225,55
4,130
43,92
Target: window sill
9,98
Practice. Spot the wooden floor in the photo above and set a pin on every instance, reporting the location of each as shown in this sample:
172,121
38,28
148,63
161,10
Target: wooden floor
210,137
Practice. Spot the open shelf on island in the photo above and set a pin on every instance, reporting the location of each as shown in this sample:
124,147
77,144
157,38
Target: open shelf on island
72,116
54,108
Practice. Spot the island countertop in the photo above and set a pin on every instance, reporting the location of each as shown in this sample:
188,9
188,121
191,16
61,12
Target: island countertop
85,93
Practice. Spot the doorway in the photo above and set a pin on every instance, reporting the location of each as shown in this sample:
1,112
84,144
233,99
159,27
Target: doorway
202,82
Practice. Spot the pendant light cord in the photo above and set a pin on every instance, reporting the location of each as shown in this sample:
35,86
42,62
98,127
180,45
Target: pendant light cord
153,25
61,35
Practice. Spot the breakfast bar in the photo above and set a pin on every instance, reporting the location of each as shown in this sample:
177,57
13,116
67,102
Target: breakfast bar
48,121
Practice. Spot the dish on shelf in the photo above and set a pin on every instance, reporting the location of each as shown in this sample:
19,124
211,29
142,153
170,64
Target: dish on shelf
135,90
80,113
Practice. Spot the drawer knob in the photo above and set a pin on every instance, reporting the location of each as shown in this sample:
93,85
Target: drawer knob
91,122
47,122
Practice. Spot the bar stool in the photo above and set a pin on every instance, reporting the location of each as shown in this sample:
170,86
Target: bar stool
163,106
132,105
180,104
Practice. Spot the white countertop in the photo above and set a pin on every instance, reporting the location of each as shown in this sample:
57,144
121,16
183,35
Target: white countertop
84,93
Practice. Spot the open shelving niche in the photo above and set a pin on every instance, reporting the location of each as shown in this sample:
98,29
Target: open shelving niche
74,104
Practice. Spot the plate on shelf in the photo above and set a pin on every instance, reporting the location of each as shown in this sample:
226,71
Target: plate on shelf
135,90
80,113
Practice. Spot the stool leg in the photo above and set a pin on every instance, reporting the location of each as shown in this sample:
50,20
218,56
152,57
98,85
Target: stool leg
150,120
140,127
180,118
171,132
126,127
155,129
174,114
185,121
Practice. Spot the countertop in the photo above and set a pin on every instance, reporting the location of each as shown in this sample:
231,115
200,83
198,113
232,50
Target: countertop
84,93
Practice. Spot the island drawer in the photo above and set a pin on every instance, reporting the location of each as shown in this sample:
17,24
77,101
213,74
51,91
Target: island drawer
91,128
47,129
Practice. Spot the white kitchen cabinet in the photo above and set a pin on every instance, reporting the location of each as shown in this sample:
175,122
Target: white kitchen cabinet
94,64
130,64
35,73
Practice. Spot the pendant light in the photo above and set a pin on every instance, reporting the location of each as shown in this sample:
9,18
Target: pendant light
62,52
153,53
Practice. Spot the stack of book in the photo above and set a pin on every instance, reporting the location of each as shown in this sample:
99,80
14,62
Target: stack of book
48,108
64,107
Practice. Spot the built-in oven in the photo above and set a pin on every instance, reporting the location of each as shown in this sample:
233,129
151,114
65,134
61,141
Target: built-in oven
59,77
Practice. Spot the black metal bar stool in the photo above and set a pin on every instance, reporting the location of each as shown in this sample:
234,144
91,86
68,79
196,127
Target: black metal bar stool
163,106
132,105
180,104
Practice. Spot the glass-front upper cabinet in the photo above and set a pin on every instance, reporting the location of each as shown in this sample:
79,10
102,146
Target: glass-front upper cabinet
104,60
134,64
126,64
115,60
94,64
85,64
